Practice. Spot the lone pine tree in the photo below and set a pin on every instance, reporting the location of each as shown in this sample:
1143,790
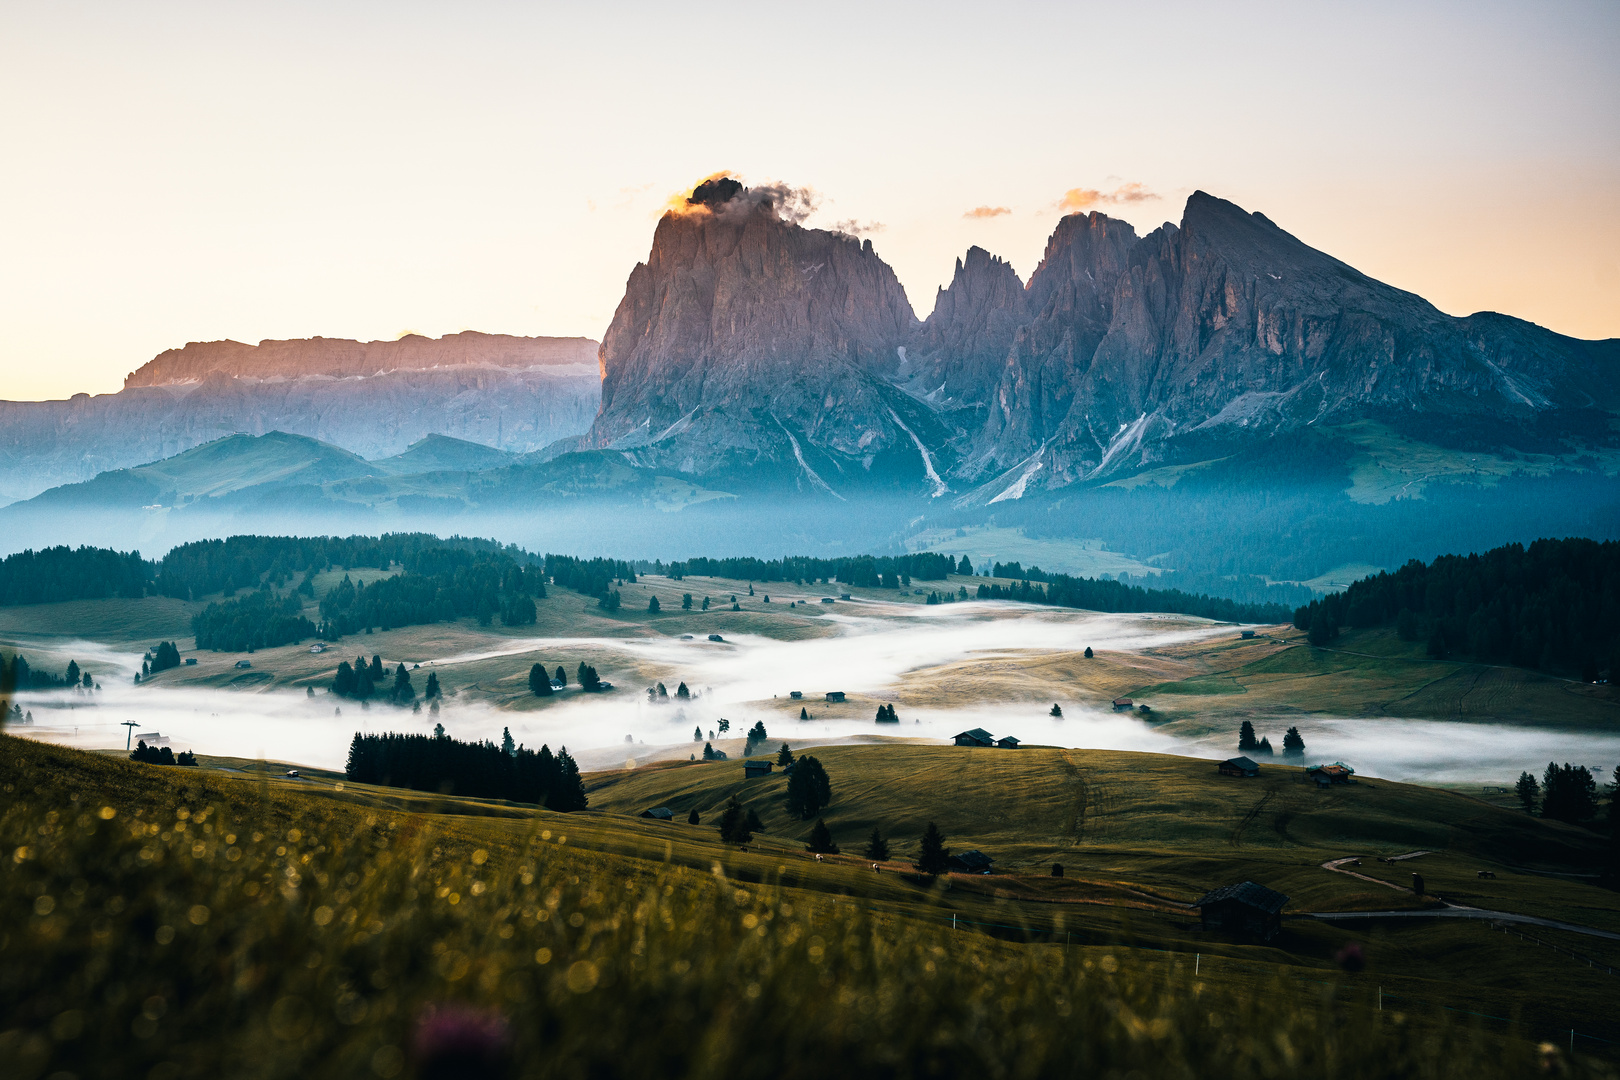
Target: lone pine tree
821,841
734,824
877,848
1293,743
933,858
1528,791
808,788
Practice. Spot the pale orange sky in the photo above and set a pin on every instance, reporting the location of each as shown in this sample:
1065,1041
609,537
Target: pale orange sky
182,172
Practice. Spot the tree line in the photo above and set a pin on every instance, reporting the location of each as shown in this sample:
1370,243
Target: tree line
64,573
444,579
363,681
861,571
1554,605
481,585
161,755
18,675
593,577
192,571
1101,594
260,620
478,769
1567,793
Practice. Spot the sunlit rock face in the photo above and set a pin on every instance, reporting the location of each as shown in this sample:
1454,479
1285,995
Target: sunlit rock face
747,345
371,398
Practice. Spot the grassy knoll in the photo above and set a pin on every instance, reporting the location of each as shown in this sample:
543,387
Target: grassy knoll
194,923
138,624
1364,673
1169,826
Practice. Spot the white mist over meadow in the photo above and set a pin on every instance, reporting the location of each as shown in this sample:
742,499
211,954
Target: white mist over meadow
868,654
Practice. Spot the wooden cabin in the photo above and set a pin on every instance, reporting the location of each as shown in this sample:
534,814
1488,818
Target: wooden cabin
1244,910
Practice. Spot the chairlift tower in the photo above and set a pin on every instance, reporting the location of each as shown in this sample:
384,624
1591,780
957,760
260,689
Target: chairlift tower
130,734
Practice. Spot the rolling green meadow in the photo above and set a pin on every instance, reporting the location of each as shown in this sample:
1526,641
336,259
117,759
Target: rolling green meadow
165,922
230,920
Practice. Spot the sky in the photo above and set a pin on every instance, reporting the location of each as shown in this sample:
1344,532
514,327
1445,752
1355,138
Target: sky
174,172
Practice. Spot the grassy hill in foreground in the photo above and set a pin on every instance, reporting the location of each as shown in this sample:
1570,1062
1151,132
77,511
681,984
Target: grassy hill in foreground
1164,825
185,923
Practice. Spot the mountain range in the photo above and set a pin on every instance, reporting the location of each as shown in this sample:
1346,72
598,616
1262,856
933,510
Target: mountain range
370,398
749,346
1215,394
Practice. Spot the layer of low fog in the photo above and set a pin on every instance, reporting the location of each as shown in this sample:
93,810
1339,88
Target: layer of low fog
869,654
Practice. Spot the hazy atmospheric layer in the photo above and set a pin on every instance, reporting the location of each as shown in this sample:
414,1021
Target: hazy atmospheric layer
734,679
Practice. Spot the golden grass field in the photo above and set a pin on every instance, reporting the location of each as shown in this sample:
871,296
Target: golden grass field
196,923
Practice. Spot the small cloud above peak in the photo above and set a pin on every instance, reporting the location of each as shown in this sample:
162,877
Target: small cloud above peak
1077,200
722,194
856,229
987,211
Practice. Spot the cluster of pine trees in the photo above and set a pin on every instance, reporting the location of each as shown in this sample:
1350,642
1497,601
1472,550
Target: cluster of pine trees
64,573
887,715
195,570
477,584
363,681
593,577
860,571
162,658
161,755
1554,605
1016,571
1293,742
259,620
477,769
1099,594
543,685
1568,793
17,675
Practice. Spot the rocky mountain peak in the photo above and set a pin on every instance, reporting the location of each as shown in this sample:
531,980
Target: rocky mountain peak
343,358
957,358
746,337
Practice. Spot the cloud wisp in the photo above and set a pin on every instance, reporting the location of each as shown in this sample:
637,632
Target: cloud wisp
1076,200
980,212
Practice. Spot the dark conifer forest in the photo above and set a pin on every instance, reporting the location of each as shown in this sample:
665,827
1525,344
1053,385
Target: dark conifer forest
64,573
477,769
1554,605
259,620
1101,594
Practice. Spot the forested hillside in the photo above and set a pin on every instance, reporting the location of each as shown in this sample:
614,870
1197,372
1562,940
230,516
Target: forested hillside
64,573
1554,605
481,769
1095,594
861,571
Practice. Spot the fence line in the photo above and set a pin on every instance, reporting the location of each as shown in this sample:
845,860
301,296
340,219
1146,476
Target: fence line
1595,964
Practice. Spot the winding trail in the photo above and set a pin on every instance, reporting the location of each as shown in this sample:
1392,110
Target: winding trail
1450,911
1337,866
